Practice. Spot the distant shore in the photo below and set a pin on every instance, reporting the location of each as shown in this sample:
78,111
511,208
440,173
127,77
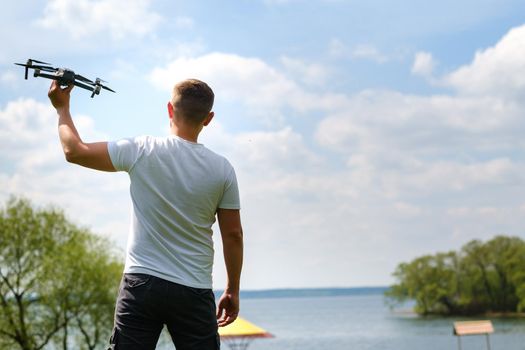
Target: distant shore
488,315
309,292
504,314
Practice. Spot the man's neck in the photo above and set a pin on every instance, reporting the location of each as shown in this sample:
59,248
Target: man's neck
185,133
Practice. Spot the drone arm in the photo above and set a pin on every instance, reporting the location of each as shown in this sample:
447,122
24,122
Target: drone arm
76,83
45,75
57,78
83,86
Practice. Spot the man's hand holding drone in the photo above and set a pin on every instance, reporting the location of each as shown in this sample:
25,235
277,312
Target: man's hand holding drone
60,96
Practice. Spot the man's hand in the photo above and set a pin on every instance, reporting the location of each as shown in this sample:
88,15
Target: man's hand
59,96
227,308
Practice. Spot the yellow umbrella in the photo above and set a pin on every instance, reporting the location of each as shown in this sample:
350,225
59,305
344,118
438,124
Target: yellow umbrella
239,333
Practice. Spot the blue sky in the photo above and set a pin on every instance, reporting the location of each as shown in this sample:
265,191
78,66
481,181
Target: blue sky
364,134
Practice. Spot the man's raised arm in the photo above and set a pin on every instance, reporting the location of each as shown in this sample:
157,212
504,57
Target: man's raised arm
232,242
91,155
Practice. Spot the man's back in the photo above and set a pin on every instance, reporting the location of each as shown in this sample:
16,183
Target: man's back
176,188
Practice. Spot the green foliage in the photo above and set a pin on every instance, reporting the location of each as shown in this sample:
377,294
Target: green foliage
58,282
482,277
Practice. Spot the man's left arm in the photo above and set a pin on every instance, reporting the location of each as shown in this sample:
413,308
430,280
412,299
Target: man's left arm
232,241
91,155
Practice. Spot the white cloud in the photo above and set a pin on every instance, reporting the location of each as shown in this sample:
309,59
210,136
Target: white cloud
280,155
283,150
336,48
388,120
33,166
369,52
429,178
9,78
447,164
184,22
235,76
496,71
423,65
87,18
407,209
238,79
311,74
263,91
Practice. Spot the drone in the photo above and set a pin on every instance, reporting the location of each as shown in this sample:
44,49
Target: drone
63,76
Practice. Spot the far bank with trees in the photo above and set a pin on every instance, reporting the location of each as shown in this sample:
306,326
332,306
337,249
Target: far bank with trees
480,278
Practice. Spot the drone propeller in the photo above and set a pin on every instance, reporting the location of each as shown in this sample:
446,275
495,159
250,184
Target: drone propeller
106,88
98,82
37,66
29,61
29,64
97,86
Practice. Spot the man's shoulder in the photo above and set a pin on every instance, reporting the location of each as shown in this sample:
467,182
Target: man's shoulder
140,139
148,141
217,156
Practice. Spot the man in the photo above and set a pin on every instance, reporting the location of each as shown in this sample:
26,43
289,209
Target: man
178,187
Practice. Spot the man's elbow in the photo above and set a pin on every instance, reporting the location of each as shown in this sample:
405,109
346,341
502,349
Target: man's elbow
71,155
234,235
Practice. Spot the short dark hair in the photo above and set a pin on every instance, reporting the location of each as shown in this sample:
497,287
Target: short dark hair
193,100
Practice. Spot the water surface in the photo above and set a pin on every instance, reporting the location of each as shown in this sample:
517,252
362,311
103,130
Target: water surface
359,320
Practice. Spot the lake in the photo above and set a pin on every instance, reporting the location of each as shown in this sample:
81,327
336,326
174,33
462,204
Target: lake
341,319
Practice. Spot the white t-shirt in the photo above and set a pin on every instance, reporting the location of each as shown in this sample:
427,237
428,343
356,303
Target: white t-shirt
176,188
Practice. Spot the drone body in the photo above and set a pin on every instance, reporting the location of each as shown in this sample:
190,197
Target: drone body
63,76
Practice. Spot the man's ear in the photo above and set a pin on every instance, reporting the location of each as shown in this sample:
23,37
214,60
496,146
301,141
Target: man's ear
208,119
170,110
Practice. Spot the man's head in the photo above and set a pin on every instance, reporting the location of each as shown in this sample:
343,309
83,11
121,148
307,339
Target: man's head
192,100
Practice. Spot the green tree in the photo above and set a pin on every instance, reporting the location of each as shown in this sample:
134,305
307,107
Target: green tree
480,278
58,282
429,280
495,274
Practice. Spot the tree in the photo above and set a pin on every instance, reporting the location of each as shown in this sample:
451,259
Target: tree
480,278
429,280
58,282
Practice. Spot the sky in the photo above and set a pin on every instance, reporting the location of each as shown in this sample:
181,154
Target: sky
363,133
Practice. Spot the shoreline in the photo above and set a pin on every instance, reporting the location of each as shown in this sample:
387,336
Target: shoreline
493,315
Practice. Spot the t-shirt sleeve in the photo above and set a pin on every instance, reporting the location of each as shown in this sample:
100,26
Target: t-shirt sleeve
124,153
230,198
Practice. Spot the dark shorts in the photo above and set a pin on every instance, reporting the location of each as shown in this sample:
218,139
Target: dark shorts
146,303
